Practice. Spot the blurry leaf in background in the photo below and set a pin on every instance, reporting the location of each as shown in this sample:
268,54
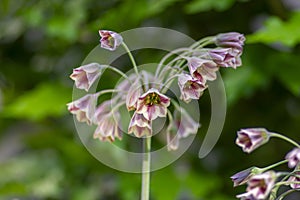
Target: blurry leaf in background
276,30
197,6
46,100
33,175
133,11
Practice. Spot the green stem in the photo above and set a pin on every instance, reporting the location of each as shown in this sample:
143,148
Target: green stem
272,166
131,58
146,169
285,138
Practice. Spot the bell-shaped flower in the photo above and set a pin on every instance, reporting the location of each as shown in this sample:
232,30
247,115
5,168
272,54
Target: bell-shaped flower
252,138
172,137
231,40
84,76
110,40
260,185
181,126
84,108
225,57
202,69
134,92
108,127
140,126
153,104
293,158
191,88
295,180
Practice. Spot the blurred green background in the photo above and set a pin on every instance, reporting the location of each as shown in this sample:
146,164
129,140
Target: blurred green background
41,156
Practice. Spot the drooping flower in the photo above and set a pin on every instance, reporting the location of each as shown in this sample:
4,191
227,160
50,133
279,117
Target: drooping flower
110,40
84,108
153,104
202,69
242,177
260,185
226,57
84,76
134,92
108,127
231,39
181,126
295,180
293,157
172,138
190,87
140,126
252,138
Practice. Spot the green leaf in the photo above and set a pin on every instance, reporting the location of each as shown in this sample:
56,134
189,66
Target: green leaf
46,100
276,30
206,5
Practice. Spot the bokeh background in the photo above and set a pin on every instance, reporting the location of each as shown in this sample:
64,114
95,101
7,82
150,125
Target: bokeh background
41,42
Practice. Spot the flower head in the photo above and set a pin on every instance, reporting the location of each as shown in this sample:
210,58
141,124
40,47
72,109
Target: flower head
190,87
260,185
139,125
293,157
84,108
153,104
108,127
110,40
231,39
226,57
84,76
202,69
252,138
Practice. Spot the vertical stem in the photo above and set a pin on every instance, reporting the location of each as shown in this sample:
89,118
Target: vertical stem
146,169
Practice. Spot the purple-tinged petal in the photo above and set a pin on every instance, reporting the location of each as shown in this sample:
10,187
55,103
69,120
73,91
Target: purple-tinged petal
293,157
139,126
260,185
226,57
190,87
110,40
153,104
246,196
252,138
84,76
242,177
134,92
84,108
202,69
231,39
294,180
108,127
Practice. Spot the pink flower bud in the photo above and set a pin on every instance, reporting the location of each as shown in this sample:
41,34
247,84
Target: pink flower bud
295,180
231,39
110,40
86,75
252,138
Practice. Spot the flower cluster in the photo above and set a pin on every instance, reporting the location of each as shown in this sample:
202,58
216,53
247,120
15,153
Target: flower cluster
263,183
144,93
